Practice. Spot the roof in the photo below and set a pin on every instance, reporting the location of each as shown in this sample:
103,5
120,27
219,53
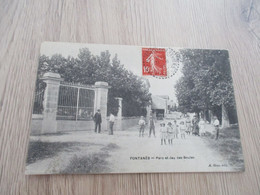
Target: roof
164,96
158,102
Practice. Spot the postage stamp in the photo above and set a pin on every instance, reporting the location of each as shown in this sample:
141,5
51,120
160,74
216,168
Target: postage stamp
154,61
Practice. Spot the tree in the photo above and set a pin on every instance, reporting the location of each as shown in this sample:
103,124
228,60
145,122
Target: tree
206,83
87,68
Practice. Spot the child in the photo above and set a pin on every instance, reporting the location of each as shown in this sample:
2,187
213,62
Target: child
141,123
175,129
169,132
182,129
202,127
163,131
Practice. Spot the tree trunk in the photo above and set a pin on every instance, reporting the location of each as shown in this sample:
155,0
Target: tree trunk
211,117
205,115
225,119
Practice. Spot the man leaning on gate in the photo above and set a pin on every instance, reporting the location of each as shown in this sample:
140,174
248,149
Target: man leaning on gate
98,121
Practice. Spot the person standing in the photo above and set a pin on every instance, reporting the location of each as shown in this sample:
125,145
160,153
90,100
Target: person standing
164,133
98,121
188,125
182,129
195,122
175,129
202,127
141,123
216,125
169,132
152,125
111,123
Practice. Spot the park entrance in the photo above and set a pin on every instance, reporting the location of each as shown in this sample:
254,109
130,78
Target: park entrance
68,106
75,102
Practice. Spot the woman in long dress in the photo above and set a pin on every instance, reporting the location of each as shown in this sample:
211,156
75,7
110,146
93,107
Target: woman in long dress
202,127
195,123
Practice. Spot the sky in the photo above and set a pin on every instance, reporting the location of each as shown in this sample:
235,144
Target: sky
129,56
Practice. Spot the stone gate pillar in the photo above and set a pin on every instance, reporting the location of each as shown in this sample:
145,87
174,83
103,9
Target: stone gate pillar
50,103
119,113
101,91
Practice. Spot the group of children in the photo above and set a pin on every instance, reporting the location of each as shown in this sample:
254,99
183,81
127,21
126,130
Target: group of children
173,130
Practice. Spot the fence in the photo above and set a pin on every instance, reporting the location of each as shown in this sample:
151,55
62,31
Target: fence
59,101
75,102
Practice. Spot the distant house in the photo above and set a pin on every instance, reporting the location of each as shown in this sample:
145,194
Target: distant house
166,97
160,105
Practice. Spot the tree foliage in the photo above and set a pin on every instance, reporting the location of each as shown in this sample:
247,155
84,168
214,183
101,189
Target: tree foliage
87,68
206,82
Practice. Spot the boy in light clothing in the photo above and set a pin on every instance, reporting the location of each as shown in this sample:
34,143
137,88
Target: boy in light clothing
111,123
141,123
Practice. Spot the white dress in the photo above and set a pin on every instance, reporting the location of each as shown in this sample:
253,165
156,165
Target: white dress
202,127
170,133
163,131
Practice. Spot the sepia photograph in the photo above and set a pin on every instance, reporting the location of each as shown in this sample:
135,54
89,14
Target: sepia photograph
133,109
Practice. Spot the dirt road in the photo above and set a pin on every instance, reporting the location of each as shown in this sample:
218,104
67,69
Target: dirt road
144,154
133,153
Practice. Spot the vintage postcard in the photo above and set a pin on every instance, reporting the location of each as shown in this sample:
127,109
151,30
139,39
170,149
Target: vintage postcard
133,109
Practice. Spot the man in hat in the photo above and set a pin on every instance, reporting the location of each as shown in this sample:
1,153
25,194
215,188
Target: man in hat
98,121
152,124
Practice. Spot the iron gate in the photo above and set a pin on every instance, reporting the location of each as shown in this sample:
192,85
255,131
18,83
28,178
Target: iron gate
75,102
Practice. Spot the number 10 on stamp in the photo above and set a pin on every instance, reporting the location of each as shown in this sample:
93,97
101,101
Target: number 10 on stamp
154,61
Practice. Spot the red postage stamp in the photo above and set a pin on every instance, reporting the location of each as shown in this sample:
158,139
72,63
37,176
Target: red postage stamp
154,61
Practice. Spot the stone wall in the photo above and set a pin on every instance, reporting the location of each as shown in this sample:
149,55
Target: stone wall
49,124
69,125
